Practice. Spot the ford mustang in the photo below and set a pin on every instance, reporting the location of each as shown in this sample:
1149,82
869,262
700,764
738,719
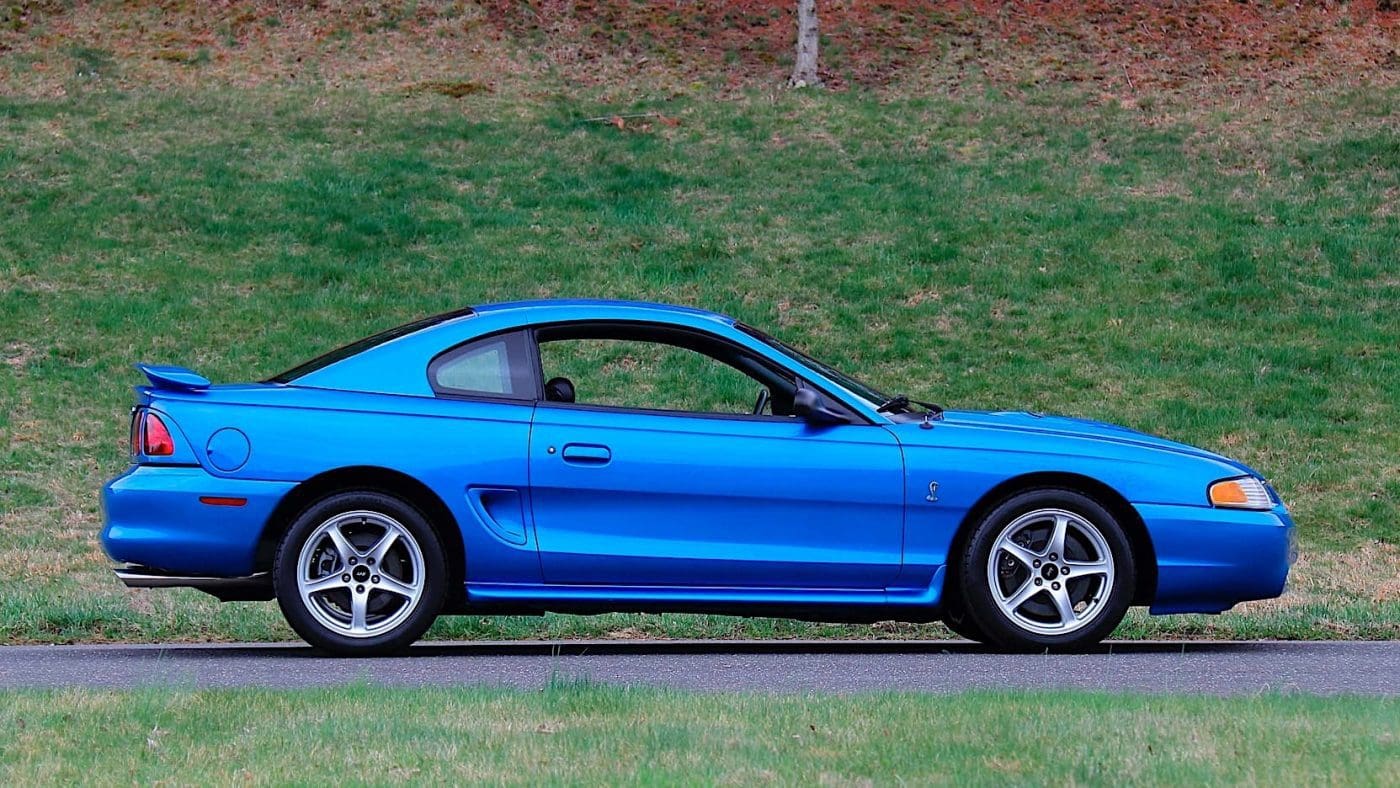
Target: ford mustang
590,456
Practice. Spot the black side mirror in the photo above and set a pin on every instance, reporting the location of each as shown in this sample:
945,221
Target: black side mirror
810,407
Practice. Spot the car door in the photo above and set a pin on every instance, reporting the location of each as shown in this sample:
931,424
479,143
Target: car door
624,495
474,449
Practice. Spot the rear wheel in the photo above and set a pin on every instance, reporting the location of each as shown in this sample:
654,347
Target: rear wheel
360,573
1047,568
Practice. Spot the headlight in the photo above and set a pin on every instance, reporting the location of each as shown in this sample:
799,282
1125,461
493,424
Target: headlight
1246,492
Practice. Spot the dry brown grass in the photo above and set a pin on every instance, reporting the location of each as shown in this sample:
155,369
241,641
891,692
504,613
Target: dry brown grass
163,45
1223,54
1368,573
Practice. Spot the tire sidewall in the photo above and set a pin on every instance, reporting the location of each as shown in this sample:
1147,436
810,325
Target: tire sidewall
975,595
286,567
956,618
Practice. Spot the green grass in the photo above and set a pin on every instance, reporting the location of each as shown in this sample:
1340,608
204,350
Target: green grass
581,734
1217,278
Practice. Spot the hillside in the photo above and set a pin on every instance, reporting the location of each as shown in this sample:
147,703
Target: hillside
1182,217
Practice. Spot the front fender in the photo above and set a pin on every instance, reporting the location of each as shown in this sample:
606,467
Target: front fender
968,464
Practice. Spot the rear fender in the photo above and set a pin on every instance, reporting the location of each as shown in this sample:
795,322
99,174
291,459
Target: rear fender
166,379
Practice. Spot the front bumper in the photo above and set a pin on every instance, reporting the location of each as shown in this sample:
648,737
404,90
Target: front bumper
154,519
1209,559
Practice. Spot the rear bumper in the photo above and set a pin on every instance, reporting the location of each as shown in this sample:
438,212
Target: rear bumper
250,588
1211,559
153,517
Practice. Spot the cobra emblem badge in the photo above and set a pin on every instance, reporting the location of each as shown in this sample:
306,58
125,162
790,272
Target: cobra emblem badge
932,496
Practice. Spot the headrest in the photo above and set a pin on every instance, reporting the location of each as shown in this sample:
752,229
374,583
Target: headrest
559,390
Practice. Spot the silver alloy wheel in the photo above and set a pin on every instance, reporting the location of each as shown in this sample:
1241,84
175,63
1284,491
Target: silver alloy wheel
1050,571
360,574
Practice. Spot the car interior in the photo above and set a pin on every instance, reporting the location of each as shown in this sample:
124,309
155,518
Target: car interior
773,390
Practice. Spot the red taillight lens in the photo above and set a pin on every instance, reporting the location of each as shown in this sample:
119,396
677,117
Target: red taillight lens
135,431
158,442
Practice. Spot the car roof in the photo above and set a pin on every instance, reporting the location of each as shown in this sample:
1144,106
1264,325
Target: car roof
393,354
550,309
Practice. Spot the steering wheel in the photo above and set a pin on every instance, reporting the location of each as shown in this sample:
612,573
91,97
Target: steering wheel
762,402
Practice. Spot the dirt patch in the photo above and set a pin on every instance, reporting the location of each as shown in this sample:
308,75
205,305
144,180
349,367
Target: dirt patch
449,88
17,355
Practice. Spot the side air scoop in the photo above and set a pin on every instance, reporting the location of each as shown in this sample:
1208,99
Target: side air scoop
174,378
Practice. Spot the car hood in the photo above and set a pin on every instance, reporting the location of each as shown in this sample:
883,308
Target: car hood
1066,426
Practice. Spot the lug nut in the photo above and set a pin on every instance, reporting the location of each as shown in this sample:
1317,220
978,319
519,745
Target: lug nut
1054,557
1055,586
359,589
370,562
374,579
345,578
1035,564
1064,570
1038,581
354,561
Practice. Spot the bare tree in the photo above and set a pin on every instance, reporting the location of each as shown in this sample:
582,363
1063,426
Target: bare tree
804,72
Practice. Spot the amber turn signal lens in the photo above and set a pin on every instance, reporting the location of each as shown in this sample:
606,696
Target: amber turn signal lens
1243,493
1227,493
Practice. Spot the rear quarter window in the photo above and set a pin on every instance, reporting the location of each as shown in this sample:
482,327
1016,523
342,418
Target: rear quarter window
496,366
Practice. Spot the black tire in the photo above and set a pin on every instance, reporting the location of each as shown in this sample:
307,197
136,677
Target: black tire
401,627
956,618
1033,512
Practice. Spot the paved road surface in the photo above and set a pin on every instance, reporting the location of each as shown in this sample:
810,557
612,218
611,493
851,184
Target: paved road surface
1213,668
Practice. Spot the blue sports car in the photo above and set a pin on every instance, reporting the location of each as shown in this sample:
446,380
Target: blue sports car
590,456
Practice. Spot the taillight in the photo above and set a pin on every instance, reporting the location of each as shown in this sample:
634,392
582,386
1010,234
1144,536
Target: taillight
158,442
135,431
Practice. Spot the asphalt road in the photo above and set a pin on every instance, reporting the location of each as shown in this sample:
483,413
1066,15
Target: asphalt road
790,666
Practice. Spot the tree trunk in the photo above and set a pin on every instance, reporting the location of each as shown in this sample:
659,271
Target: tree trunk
804,72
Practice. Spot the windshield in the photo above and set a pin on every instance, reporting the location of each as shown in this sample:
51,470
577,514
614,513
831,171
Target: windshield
871,395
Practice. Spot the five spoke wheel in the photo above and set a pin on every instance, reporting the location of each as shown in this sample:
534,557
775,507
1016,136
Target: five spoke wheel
1045,568
1050,571
360,573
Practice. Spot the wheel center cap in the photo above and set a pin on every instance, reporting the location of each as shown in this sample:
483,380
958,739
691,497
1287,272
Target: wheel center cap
361,573
1050,571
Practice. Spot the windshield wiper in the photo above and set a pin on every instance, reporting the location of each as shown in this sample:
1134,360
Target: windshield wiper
902,402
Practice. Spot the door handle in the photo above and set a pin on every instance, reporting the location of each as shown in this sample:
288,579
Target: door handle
586,454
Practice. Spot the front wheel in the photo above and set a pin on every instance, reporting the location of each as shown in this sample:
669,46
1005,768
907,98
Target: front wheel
360,573
1047,568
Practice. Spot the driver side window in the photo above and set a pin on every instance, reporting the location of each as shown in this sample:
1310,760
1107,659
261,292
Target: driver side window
630,373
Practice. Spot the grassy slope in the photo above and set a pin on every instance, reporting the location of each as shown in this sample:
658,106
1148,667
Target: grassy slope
583,734
1223,276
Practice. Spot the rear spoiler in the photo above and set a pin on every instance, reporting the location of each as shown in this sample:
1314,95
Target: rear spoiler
174,378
